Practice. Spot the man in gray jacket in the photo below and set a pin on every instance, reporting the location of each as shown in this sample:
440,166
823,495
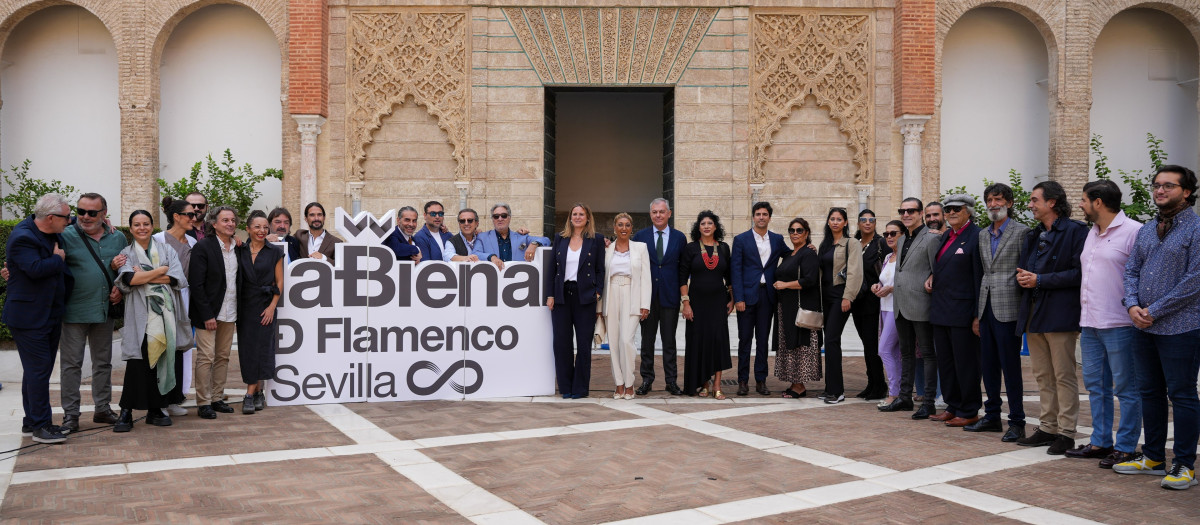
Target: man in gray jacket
914,271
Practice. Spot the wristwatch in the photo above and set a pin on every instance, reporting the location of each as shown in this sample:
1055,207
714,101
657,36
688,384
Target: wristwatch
685,298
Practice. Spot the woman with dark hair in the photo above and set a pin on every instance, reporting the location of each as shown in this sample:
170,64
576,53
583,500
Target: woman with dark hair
865,309
156,325
889,340
574,284
797,285
181,217
261,267
841,277
707,301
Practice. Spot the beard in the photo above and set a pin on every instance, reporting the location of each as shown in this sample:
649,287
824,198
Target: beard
997,214
934,225
316,225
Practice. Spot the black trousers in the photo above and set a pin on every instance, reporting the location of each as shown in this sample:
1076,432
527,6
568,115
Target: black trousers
835,323
668,320
913,333
958,367
573,367
37,348
754,325
865,312
1000,352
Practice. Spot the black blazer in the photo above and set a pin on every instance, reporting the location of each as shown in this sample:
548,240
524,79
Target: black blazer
956,279
206,280
875,251
810,280
38,281
1057,296
590,274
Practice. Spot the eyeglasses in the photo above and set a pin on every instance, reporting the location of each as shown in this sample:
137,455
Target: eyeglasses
466,221
908,211
498,216
889,235
436,213
198,205
796,230
867,219
63,217
1169,186
80,212
950,208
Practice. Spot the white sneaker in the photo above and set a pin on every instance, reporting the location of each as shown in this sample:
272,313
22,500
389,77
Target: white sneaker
1179,478
176,410
939,404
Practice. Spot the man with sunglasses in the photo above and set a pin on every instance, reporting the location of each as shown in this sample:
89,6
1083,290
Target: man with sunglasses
466,246
434,235
957,274
200,207
320,243
93,256
503,241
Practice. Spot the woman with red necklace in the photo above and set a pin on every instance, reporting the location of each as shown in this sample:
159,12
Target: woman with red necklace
707,302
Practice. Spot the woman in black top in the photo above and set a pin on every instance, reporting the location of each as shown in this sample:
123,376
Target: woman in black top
865,309
705,273
261,266
797,284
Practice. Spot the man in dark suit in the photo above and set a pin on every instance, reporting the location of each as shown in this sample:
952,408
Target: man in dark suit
433,236
752,261
281,226
957,273
33,309
213,279
401,240
317,242
664,244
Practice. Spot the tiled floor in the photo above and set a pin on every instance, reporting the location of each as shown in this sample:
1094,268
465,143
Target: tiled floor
658,459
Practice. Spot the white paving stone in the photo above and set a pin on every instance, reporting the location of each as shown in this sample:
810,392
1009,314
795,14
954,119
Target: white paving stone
863,470
753,508
1040,516
470,500
431,475
917,478
831,494
179,464
811,456
512,517
970,498
689,517
36,476
281,455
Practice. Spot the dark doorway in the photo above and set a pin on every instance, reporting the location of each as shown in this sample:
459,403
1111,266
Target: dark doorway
611,148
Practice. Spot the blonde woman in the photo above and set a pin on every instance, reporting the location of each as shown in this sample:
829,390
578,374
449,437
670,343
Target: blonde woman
574,283
626,300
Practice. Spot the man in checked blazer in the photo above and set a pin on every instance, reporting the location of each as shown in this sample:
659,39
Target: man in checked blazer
914,271
1000,247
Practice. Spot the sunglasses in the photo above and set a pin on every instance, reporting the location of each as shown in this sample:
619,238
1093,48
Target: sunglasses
188,214
953,208
908,211
496,216
796,230
436,213
80,212
866,219
63,217
889,235
198,205
466,221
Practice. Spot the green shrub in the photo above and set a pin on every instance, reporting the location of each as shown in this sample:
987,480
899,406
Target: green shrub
223,184
24,191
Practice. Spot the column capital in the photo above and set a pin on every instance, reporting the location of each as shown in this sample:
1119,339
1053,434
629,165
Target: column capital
912,126
309,127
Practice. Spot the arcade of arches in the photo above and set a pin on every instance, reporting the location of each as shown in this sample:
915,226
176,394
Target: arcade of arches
385,103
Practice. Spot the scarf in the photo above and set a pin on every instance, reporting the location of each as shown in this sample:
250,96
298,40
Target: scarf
160,322
1166,218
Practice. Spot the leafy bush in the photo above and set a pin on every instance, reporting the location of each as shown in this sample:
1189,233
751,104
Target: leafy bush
24,191
1139,204
224,184
1020,201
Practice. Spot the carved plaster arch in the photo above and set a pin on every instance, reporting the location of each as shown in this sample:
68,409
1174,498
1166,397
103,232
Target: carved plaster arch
397,54
797,54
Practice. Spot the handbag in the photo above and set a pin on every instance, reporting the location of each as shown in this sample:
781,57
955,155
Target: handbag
809,319
601,331
115,310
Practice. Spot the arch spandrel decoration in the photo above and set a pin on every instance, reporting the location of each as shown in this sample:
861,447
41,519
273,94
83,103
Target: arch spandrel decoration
828,56
396,54
609,45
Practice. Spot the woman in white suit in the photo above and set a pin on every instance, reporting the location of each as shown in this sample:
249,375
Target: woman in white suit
626,301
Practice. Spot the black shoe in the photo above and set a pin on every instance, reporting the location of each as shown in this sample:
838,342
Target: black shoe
260,401
1061,445
864,393
643,390
761,388
206,412
124,421
49,434
897,405
985,425
1038,439
833,400
26,430
222,407
158,418
1015,433
70,424
743,388
105,417
674,390
923,413
876,394
1089,451
248,404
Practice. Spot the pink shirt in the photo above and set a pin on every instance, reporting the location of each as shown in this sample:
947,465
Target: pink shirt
1103,265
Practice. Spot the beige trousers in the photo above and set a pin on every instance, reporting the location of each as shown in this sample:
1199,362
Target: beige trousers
1052,356
212,362
621,322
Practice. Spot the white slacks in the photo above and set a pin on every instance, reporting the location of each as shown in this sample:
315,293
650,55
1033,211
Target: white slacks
622,323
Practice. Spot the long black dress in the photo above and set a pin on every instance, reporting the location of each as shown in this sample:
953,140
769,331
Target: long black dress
797,350
256,343
707,334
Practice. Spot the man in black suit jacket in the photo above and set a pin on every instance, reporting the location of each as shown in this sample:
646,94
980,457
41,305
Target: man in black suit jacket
33,309
957,273
213,279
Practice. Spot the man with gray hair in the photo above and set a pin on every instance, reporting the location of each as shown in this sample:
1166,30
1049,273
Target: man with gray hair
466,247
957,274
39,279
503,242
402,240
665,244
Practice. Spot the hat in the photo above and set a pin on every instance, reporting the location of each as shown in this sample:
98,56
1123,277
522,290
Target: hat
959,199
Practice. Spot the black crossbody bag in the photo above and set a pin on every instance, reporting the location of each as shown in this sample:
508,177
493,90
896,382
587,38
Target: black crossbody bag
115,311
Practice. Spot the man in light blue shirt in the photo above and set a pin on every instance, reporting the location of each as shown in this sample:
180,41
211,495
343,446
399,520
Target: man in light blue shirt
466,246
505,243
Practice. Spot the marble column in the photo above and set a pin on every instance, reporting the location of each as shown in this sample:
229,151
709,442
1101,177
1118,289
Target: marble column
912,127
309,128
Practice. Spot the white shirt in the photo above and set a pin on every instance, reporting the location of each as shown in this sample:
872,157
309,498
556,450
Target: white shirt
314,242
228,313
666,239
571,271
621,264
764,251
887,277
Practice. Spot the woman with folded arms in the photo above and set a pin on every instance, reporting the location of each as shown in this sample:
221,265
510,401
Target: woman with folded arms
797,285
626,301
574,283
889,340
156,326
707,300
181,216
841,276
261,267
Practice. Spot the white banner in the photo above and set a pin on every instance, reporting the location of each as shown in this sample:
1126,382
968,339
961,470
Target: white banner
372,328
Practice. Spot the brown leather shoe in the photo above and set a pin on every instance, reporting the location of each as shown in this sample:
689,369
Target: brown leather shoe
1088,451
961,421
944,416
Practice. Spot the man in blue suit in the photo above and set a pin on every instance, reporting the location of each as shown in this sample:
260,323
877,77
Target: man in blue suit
402,240
433,236
34,307
665,244
507,244
957,274
754,256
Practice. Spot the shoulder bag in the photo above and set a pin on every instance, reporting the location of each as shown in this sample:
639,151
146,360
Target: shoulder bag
117,310
809,319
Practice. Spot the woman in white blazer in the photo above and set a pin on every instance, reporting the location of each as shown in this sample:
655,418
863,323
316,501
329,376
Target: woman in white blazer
626,300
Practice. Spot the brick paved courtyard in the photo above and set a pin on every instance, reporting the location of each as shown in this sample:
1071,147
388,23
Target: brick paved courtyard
658,459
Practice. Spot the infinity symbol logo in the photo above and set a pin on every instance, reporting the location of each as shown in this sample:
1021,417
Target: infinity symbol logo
445,377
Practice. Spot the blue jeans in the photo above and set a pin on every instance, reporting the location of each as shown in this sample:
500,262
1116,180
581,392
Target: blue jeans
1166,368
1108,368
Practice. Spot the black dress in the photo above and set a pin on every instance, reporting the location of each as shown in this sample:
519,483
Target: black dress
797,350
256,343
707,334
